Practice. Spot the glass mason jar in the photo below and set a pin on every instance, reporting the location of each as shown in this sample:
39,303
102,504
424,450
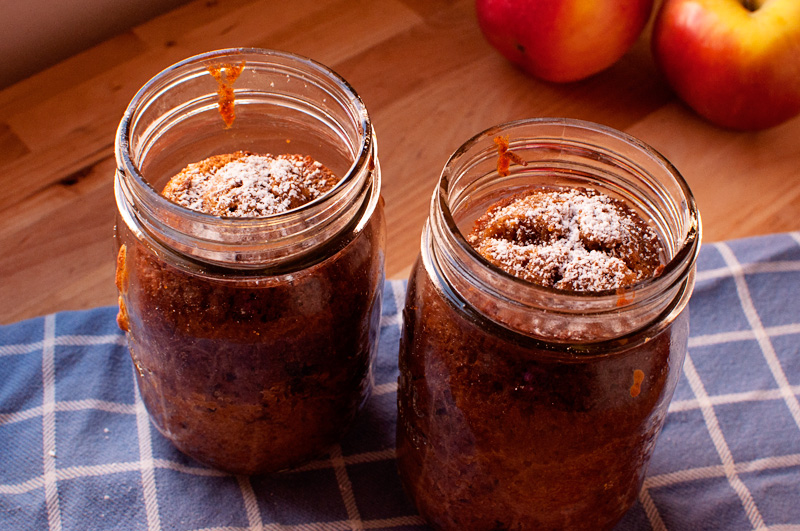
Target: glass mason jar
253,338
526,407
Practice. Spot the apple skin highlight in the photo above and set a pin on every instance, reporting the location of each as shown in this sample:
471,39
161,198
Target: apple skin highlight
562,41
737,68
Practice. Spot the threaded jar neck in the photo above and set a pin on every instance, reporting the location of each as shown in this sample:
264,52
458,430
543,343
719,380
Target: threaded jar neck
563,153
283,103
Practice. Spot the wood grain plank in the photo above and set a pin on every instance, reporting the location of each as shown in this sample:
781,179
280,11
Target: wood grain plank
11,147
83,148
333,35
429,9
70,191
74,71
63,259
740,180
205,26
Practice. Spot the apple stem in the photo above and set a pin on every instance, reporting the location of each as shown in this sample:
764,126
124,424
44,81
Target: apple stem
753,5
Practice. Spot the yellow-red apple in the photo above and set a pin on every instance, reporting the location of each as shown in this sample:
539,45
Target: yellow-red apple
562,40
735,62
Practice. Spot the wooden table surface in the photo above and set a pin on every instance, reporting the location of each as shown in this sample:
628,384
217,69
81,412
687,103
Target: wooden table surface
429,80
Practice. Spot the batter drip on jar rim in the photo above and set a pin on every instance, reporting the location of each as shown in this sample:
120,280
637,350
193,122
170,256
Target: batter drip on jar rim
226,75
243,184
572,239
505,156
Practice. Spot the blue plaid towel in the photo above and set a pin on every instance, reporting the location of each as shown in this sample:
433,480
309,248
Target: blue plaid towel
77,451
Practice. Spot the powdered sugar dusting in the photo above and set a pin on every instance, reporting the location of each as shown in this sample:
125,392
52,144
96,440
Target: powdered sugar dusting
243,184
572,239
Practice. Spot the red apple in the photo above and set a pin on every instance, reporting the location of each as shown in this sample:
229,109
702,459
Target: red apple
735,62
562,40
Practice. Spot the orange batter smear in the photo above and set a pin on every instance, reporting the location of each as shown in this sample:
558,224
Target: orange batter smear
638,378
121,276
122,315
121,280
505,156
623,297
226,75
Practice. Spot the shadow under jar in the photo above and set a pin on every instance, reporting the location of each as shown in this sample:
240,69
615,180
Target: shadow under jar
527,407
253,337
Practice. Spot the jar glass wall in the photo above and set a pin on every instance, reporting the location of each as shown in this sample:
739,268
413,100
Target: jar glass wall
252,337
526,407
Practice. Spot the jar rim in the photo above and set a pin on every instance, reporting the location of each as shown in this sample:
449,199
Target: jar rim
674,269
465,262
143,186
279,241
